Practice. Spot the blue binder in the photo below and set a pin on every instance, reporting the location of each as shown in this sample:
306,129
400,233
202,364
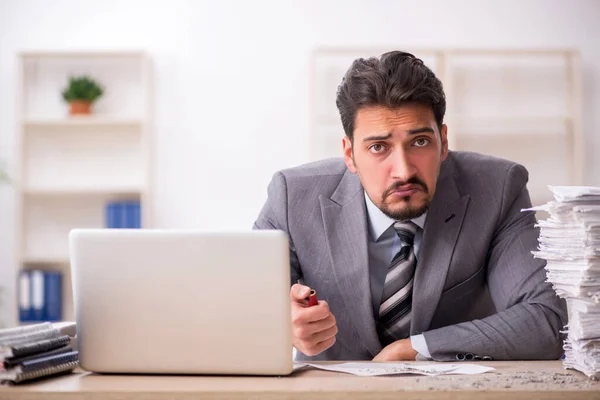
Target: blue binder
113,215
123,215
132,215
53,296
25,310
40,296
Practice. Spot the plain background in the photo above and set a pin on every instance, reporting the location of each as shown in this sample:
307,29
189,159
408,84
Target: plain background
231,80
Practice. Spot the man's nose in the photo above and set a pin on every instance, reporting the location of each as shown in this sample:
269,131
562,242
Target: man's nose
402,167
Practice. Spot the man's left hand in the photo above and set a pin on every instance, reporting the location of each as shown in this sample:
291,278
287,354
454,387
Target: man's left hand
400,350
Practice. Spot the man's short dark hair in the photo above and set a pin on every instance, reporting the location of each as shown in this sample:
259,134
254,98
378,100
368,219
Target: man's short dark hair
392,80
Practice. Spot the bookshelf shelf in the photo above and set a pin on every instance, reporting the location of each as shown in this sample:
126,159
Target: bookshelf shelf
79,54
73,167
83,191
510,119
92,121
39,262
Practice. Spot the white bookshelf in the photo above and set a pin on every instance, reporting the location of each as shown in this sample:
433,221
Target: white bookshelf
519,104
72,166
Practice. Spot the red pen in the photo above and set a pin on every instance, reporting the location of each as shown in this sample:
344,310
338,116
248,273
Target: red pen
312,298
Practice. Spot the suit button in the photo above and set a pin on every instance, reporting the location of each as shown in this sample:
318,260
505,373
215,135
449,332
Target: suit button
487,358
477,358
460,356
468,356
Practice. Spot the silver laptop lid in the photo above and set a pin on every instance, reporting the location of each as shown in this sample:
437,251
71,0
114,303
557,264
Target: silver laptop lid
188,302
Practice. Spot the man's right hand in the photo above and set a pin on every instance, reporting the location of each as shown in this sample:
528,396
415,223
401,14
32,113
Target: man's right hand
313,328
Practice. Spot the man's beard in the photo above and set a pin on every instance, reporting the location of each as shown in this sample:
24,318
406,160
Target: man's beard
408,212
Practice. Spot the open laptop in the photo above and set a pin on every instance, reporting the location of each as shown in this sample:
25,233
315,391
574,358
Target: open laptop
182,302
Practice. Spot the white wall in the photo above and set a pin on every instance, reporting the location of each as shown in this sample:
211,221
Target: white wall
231,79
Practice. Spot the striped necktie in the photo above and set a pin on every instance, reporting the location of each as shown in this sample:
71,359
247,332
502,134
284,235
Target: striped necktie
395,308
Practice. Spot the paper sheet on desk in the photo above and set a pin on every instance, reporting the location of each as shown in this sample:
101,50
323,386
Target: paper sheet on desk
377,369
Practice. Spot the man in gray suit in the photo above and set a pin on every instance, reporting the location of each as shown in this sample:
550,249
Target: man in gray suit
415,251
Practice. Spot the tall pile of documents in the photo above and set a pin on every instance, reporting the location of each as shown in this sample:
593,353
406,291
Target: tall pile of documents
570,243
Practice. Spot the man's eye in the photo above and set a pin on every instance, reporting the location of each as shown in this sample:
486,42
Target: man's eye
422,142
376,148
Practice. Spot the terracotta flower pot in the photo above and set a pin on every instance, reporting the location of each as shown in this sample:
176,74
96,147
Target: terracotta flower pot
80,107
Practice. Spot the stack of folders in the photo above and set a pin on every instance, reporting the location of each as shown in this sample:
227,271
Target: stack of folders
570,243
123,215
40,296
37,351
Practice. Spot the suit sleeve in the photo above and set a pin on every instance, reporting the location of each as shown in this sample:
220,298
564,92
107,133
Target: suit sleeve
529,313
274,215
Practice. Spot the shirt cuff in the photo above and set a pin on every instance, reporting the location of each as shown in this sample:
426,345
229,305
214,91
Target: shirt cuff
420,346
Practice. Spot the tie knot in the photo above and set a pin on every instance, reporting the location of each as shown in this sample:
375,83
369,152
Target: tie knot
406,231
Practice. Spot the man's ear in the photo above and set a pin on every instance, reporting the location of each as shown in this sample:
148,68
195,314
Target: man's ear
444,136
348,156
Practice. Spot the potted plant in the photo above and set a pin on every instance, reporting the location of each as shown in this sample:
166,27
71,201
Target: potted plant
81,93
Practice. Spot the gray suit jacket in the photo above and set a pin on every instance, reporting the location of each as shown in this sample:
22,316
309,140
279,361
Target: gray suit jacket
477,288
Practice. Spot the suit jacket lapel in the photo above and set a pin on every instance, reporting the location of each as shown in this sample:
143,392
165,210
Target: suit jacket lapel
344,218
444,221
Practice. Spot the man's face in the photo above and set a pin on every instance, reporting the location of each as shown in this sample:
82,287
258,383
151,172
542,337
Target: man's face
397,155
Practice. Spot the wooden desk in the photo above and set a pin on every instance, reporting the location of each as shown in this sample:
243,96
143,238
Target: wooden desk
511,380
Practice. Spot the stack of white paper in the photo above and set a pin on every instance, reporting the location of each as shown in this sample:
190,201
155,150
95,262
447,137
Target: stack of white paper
570,243
387,368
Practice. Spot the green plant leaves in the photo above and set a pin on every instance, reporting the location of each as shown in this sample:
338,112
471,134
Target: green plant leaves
82,88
